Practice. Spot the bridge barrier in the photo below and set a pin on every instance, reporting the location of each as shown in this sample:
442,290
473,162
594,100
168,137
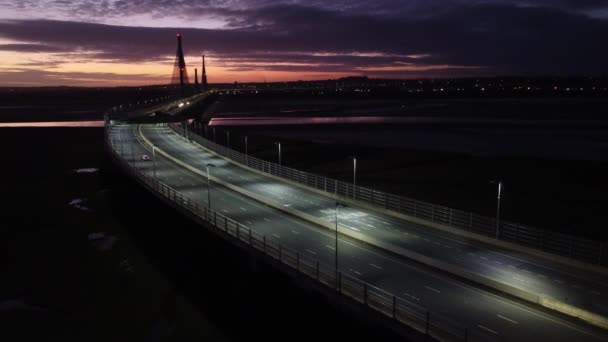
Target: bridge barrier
393,307
567,249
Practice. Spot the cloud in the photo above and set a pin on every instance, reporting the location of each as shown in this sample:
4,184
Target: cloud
380,38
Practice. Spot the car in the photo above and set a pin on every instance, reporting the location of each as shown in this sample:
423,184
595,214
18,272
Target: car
145,157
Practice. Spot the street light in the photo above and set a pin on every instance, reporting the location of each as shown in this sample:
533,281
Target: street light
209,186
154,159
279,146
338,205
354,177
498,209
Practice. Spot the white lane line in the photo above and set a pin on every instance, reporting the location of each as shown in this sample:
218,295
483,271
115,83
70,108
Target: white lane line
487,329
243,209
295,232
287,205
249,222
224,210
376,266
330,247
471,254
437,243
356,272
519,279
558,281
484,258
425,239
542,276
446,246
432,289
276,235
311,252
349,227
266,219
497,262
511,266
526,270
507,319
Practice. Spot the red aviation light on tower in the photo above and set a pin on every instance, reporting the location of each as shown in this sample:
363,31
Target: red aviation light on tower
179,34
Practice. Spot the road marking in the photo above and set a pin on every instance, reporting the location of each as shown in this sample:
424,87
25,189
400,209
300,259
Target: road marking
507,319
437,243
311,252
376,266
519,279
526,270
356,272
432,289
273,234
287,205
267,219
293,231
542,276
484,258
558,281
349,227
446,246
498,262
425,239
224,210
512,266
243,209
471,254
249,222
330,247
487,329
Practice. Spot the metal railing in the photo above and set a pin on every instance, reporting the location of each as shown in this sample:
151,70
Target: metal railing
581,249
386,303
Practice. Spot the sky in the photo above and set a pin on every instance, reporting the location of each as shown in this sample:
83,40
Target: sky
133,42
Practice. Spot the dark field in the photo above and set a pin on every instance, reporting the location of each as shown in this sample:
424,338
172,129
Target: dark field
153,276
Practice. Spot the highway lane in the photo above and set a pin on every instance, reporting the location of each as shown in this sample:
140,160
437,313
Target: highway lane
483,312
571,285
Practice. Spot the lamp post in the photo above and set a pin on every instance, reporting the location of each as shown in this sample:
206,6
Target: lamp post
279,146
338,205
154,160
354,177
498,209
209,186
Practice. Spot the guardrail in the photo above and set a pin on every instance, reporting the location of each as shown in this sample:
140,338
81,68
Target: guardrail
373,297
565,245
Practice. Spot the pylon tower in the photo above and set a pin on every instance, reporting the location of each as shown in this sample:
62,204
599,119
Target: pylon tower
180,73
204,76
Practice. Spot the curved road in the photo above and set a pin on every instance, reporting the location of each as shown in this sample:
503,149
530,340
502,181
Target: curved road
484,313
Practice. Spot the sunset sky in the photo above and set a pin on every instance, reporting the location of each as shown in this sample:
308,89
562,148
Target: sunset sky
132,42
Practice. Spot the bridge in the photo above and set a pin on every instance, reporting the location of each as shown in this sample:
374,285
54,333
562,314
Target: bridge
437,272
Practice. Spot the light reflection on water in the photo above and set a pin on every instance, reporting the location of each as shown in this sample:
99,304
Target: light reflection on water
96,123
